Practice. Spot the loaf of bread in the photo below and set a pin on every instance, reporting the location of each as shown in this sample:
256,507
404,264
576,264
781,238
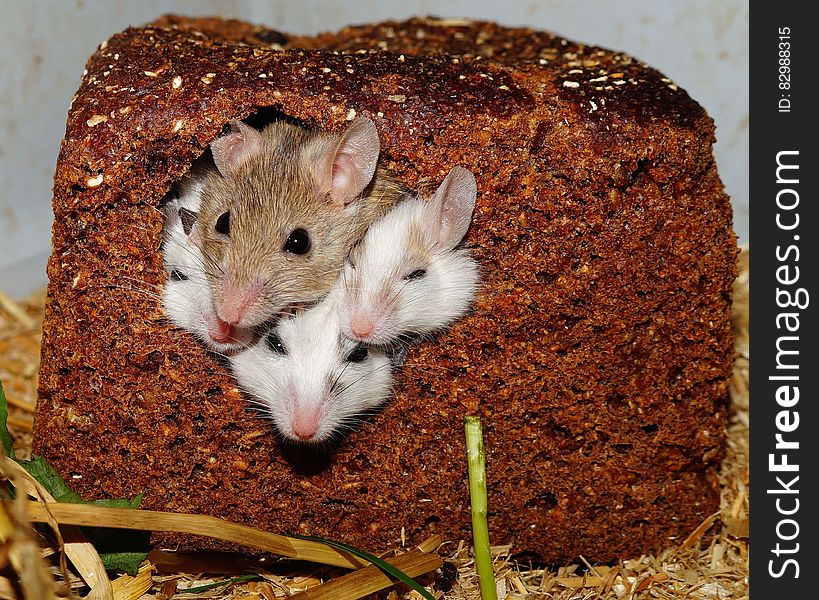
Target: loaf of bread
599,347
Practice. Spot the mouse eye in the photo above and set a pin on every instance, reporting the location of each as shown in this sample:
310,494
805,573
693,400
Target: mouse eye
177,275
274,342
359,354
416,274
298,242
223,223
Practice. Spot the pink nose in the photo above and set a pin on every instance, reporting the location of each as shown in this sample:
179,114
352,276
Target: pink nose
236,301
306,424
361,328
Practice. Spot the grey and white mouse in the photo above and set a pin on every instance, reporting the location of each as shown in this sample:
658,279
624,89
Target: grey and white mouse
407,277
312,381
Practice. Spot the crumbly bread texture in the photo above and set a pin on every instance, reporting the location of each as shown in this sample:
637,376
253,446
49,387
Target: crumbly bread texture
600,345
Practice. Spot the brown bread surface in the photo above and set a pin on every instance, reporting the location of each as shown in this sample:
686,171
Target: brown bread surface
600,344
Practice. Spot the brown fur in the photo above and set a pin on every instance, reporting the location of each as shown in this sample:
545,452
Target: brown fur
268,197
417,242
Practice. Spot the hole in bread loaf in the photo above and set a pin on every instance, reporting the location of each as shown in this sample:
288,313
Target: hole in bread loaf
544,501
431,524
545,278
650,429
258,120
622,448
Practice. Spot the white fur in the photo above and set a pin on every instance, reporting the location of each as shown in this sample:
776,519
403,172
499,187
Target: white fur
313,375
375,288
187,302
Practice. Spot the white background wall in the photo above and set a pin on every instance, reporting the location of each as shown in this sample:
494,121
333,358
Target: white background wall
701,44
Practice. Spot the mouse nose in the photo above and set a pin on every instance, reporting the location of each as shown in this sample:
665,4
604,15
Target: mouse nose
236,300
306,424
361,327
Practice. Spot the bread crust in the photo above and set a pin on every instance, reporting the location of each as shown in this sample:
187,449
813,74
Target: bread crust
598,352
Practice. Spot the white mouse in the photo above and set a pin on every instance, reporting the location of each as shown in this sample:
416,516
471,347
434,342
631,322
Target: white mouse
186,297
406,277
310,379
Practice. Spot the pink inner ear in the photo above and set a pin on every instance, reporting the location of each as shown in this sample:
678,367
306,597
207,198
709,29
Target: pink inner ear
351,162
344,178
453,204
231,150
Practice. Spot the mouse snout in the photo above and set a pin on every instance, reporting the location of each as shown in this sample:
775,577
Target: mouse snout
362,326
367,318
359,322
305,423
220,331
237,301
226,335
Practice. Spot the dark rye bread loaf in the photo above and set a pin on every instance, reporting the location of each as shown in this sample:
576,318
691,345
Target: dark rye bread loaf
599,348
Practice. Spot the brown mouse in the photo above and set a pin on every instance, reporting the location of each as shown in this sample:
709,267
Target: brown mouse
282,211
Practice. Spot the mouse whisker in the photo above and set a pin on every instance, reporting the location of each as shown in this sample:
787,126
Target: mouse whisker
428,366
362,376
153,286
145,292
212,265
394,299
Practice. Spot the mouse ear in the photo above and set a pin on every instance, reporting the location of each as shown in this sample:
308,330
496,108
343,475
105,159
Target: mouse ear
189,218
450,209
235,147
346,168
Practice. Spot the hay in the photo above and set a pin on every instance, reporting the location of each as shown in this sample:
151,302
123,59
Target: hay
20,336
710,563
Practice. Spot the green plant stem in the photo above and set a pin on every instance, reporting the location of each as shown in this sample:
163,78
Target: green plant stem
477,495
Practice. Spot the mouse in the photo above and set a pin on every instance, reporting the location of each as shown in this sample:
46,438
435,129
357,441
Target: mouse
281,211
186,296
408,277
313,382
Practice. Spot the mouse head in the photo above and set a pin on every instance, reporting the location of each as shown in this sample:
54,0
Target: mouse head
281,214
186,297
310,379
406,277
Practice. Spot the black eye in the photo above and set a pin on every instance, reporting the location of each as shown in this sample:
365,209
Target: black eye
298,242
359,354
177,275
223,223
416,274
274,342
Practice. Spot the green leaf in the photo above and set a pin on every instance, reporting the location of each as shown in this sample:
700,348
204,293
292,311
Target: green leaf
127,562
5,436
47,475
386,567
119,502
42,471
